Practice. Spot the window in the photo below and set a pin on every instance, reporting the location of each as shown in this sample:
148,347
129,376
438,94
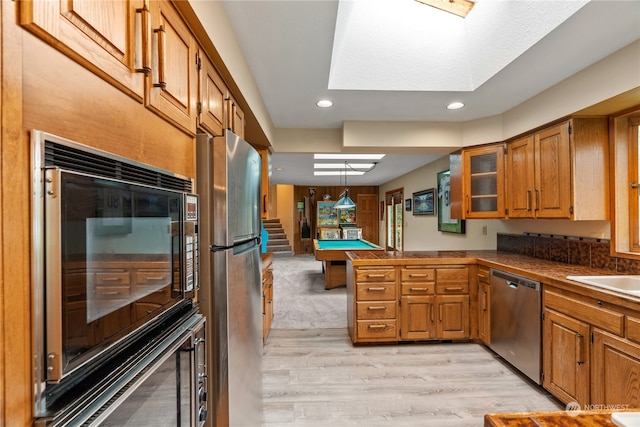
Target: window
625,185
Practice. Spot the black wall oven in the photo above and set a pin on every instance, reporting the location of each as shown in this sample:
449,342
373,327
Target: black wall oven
115,272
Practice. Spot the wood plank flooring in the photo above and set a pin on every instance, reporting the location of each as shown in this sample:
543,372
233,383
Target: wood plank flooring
316,377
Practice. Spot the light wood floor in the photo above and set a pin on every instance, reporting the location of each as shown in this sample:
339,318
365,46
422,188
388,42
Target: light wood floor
316,377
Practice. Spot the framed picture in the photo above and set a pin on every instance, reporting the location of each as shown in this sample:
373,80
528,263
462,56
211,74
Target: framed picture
352,233
445,222
424,202
382,210
329,233
407,204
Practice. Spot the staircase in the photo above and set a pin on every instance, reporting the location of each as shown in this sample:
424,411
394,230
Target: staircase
278,244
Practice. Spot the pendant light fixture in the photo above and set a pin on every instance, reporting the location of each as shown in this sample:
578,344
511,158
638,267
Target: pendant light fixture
344,201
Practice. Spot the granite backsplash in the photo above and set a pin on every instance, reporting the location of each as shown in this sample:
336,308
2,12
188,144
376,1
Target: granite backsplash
589,252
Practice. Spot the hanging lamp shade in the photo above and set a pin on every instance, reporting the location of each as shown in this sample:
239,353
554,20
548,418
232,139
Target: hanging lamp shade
345,201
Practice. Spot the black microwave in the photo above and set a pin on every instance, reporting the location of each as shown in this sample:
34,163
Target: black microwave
115,253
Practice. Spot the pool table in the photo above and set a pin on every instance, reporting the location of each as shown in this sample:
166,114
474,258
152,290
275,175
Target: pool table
332,253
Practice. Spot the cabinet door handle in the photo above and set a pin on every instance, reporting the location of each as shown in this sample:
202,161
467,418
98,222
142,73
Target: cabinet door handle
380,289
440,312
581,349
377,327
162,84
468,204
145,41
484,301
537,200
376,308
528,200
431,312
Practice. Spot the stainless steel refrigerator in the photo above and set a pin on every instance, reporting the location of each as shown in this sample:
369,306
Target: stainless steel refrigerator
228,182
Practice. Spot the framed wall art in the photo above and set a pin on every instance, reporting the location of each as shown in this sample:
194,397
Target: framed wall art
424,202
445,222
407,204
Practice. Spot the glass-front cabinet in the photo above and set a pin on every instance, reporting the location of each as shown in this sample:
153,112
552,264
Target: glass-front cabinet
484,182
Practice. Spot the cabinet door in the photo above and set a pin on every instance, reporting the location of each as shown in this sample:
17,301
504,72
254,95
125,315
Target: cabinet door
172,85
417,318
566,357
615,378
265,185
235,117
484,182
453,316
106,37
484,313
520,182
553,172
367,218
212,93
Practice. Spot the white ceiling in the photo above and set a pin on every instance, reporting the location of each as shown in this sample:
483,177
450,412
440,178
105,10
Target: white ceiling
400,60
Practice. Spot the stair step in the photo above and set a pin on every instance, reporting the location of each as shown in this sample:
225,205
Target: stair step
278,248
283,254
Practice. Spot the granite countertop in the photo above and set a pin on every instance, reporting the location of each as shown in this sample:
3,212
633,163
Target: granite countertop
548,272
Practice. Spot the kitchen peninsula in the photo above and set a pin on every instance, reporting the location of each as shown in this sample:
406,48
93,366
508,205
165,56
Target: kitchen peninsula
443,295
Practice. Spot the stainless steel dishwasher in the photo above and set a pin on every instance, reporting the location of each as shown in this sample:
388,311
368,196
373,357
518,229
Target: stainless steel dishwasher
516,322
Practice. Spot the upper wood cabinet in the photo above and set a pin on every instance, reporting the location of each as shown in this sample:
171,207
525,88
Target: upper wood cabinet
235,117
477,183
212,94
560,172
171,87
107,37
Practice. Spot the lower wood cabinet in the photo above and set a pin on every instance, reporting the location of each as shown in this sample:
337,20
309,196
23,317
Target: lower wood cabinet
591,350
412,303
267,295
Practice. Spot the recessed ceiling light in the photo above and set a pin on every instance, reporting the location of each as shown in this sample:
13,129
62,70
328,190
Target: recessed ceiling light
324,103
455,106
279,169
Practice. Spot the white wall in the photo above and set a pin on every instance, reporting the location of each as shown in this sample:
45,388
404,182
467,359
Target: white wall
421,232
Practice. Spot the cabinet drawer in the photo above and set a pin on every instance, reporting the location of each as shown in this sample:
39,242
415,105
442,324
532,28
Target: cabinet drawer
370,310
633,329
484,275
376,275
377,329
153,277
418,288
587,312
113,292
417,274
160,296
452,288
375,291
113,278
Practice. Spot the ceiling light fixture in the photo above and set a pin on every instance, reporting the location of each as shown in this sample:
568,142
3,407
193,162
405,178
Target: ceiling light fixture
348,156
341,166
334,173
457,7
324,103
455,106
344,201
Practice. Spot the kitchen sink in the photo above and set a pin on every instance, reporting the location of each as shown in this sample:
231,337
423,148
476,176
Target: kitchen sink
626,284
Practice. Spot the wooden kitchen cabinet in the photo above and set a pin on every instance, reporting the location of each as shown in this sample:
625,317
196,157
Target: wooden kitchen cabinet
434,303
591,349
483,182
265,186
235,117
371,304
615,368
267,295
110,38
171,87
560,172
212,94
566,357
484,306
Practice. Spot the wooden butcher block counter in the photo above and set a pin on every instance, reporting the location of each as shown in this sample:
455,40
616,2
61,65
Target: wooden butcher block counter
554,419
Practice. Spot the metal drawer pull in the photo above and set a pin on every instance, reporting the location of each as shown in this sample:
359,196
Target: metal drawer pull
377,289
418,275
377,308
110,279
154,278
376,275
110,293
377,327
452,289
418,289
